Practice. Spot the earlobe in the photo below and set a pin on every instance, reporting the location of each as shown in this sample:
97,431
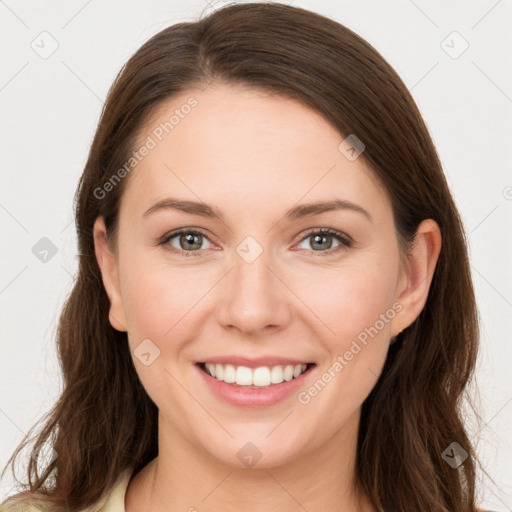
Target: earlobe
109,273
419,272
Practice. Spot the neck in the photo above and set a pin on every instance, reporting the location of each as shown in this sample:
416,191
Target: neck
184,477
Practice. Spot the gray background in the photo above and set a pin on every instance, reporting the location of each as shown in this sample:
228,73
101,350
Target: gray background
50,105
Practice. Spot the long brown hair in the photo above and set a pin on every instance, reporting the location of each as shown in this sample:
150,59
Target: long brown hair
104,423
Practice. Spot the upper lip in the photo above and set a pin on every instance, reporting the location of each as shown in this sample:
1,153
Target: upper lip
255,362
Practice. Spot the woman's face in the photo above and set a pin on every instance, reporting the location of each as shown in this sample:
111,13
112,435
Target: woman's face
256,286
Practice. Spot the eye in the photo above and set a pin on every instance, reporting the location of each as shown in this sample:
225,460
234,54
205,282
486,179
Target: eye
185,241
322,239
189,242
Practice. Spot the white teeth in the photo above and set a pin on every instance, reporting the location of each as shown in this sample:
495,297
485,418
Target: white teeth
219,372
276,375
243,376
261,376
211,368
288,373
229,374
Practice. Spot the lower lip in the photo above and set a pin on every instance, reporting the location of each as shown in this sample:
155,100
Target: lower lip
253,397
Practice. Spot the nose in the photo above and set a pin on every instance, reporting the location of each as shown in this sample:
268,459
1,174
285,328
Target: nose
254,298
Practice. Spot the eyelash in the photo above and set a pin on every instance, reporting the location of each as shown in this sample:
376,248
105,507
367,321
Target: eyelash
345,241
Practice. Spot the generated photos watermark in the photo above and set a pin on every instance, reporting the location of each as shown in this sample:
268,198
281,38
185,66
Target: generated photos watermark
305,397
151,142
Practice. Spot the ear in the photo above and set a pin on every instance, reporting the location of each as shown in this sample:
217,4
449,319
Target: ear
416,278
109,272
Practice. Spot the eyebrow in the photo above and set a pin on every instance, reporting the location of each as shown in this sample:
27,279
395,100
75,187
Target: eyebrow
296,212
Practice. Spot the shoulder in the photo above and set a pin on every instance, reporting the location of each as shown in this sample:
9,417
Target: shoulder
114,501
16,505
24,502
33,502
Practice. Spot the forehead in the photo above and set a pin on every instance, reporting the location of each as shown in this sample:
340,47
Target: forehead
247,149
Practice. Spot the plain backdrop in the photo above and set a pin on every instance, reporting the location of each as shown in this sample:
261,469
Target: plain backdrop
58,62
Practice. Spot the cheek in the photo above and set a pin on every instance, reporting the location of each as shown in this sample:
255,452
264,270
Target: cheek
356,304
349,298
159,301
159,298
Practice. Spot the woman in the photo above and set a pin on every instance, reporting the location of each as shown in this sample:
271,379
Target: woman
274,308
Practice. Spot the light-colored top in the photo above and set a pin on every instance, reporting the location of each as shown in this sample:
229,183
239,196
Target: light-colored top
113,502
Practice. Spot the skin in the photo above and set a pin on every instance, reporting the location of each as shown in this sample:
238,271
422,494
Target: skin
254,156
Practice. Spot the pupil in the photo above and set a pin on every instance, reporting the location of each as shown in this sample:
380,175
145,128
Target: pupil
189,239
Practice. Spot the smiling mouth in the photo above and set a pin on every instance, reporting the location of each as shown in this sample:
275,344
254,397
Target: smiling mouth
255,378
